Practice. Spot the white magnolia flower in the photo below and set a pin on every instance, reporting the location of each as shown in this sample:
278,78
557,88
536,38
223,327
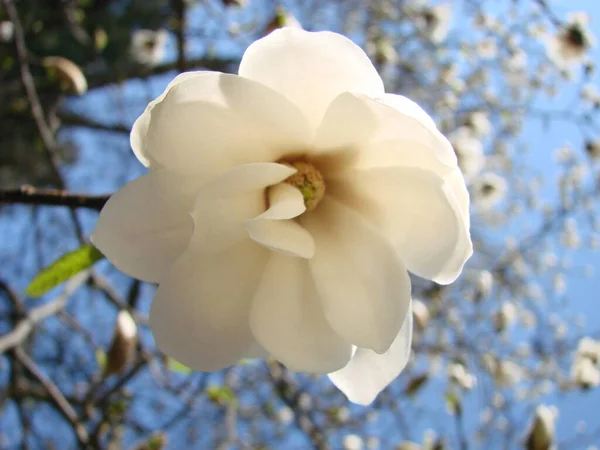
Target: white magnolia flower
488,190
507,373
588,348
585,373
420,314
573,40
148,46
487,48
505,316
457,373
7,30
484,282
352,442
283,209
285,415
479,122
435,21
469,151
592,148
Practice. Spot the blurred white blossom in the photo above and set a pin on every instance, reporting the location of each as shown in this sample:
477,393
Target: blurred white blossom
458,374
505,316
435,21
585,373
572,41
148,46
352,442
469,151
488,189
7,30
421,313
285,415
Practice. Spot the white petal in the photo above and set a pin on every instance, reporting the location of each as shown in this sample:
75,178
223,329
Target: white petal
227,202
457,185
419,213
271,230
143,229
285,202
199,315
310,69
287,319
410,108
209,122
140,126
256,352
368,373
370,133
364,286
285,236
348,123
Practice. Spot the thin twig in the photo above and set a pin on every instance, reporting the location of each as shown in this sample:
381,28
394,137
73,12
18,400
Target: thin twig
37,111
27,194
36,315
180,25
289,394
56,397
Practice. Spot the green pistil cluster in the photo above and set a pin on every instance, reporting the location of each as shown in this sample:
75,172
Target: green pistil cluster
309,181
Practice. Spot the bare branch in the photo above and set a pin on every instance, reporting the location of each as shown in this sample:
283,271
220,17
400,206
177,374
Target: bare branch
27,194
57,398
36,315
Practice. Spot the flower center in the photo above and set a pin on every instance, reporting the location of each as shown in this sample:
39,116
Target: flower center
309,181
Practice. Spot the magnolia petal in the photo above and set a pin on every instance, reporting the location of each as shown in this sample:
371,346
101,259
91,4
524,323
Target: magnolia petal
230,200
285,202
199,316
256,352
363,285
348,123
287,319
409,107
419,213
140,126
211,121
143,229
456,181
285,236
413,122
368,373
271,230
310,69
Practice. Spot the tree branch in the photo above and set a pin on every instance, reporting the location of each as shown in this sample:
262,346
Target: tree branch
36,315
178,7
56,397
52,197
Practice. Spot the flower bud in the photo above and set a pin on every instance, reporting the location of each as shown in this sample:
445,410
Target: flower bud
122,348
541,434
68,73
